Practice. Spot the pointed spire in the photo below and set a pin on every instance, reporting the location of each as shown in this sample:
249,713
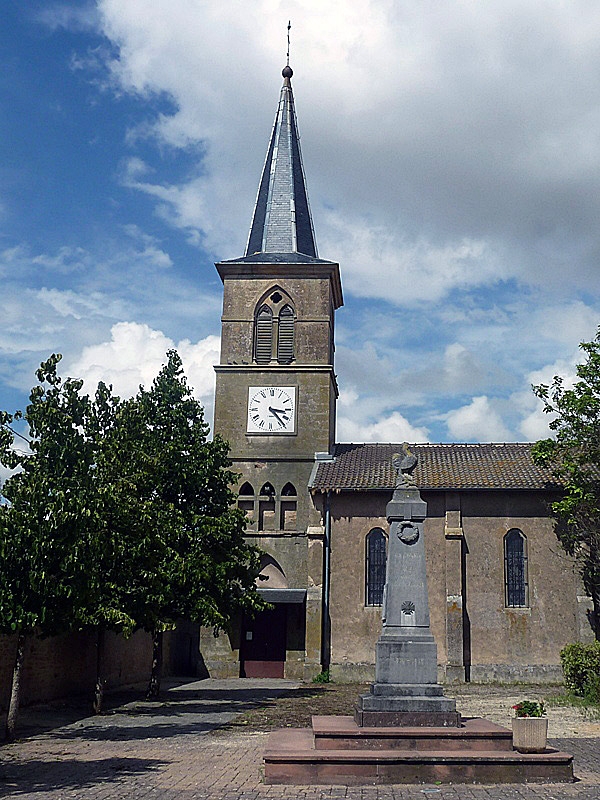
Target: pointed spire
282,221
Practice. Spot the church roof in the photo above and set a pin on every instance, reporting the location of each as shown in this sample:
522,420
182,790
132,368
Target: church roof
364,467
282,221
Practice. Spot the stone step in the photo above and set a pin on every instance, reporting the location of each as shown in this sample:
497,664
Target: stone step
291,758
342,733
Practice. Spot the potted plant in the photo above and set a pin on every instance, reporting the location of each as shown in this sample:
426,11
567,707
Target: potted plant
530,727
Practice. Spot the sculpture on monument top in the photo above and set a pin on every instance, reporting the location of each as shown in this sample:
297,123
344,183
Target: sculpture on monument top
404,463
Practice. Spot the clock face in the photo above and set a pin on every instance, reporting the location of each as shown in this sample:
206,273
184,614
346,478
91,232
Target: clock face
271,409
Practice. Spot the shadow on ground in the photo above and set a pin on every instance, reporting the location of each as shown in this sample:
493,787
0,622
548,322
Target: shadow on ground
127,715
28,777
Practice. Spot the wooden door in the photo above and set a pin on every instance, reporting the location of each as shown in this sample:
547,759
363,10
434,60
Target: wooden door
263,644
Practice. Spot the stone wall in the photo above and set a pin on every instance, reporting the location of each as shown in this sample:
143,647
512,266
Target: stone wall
63,666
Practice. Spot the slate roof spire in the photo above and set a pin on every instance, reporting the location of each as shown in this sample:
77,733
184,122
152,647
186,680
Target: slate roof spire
282,222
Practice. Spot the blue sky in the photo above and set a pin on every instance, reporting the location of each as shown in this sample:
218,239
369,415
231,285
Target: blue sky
452,154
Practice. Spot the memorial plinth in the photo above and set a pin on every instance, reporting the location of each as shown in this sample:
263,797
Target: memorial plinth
406,689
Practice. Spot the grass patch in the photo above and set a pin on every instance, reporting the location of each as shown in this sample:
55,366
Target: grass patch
589,708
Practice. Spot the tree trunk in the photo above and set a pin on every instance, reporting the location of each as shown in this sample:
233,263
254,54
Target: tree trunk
100,679
157,655
15,692
596,616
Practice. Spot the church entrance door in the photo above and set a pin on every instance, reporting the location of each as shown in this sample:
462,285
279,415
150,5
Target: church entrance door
263,644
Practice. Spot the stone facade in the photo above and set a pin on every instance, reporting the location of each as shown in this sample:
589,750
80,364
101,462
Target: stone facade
478,637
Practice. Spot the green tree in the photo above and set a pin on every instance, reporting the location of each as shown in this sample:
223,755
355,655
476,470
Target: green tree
573,455
46,525
193,560
119,516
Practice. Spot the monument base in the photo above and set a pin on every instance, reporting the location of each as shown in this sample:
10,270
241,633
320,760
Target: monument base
406,705
336,751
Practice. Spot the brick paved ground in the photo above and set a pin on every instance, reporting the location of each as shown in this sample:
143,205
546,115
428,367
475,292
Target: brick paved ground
175,750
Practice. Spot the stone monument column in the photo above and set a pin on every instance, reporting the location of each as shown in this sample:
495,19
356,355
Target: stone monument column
406,691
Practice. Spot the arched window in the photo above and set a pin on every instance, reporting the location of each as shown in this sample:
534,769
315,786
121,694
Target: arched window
515,569
267,508
288,507
375,567
246,502
274,323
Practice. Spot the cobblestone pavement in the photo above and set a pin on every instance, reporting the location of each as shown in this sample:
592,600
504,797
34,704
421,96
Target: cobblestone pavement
174,750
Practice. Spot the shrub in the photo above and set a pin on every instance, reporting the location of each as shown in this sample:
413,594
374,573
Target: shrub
322,677
581,668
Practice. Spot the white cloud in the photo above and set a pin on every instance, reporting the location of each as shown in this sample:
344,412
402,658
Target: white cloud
478,421
534,422
67,303
64,15
134,355
379,263
131,279
361,419
393,428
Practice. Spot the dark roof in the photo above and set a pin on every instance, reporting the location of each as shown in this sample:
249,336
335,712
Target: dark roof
363,467
282,222
277,258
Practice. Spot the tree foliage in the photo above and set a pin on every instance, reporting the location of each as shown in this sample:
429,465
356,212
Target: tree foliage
574,457
187,553
202,568
47,525
119,514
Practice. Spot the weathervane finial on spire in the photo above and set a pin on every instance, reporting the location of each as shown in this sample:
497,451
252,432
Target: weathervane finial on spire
287,71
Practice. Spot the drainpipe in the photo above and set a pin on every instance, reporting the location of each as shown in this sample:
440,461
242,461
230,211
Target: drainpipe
326,624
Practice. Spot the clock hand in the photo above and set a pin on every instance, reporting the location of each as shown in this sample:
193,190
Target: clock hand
276,412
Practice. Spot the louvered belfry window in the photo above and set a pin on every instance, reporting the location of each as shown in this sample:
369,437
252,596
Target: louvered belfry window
285,338
263,342
515,570
376,564
274,328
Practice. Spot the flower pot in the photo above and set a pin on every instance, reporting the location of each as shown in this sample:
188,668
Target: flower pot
530,734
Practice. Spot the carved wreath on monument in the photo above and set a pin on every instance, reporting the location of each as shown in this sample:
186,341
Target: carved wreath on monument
408,532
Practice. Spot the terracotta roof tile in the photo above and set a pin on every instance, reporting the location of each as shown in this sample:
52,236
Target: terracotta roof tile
441,466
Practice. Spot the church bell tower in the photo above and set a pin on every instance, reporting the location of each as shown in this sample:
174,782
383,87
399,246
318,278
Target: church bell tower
276,389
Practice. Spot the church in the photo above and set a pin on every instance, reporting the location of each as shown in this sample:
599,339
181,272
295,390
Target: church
504,598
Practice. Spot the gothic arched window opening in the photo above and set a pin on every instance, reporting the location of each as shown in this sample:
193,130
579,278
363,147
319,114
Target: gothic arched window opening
515,569
246,502
274,325
375,567
288,508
